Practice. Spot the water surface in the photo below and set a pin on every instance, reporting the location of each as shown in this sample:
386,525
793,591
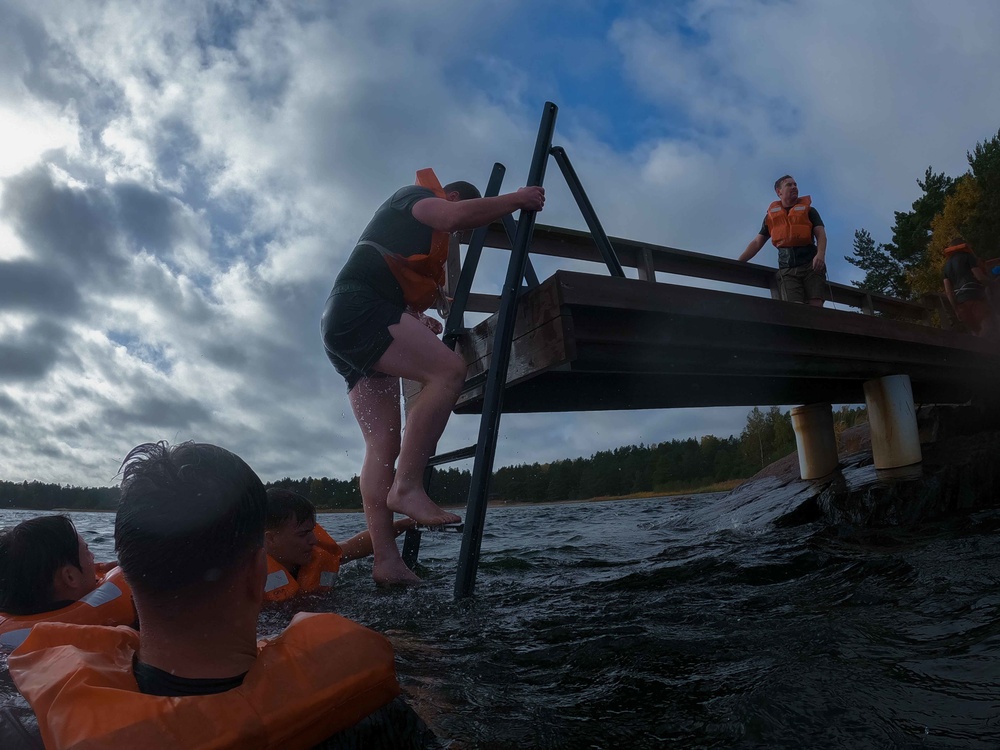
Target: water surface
669,623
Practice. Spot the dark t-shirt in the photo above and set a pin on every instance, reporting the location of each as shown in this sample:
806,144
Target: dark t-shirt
394,228
395,725
958,270
792,257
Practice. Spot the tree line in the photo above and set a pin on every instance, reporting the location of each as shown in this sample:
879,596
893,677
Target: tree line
968,207
674,466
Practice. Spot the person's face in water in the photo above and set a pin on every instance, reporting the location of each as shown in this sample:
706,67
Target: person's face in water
71,582
291,543
89,573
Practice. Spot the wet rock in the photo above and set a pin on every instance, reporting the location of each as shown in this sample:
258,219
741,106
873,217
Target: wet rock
959,473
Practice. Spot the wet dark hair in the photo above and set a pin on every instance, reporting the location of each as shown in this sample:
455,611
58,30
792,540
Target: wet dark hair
465,190
188,515
777,182
30,555
284,504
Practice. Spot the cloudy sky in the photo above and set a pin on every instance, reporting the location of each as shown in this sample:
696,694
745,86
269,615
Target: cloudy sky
181,181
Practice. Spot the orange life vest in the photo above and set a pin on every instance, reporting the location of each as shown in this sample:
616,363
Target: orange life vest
109,604
790,228
319,574
961,247
322,675
422,275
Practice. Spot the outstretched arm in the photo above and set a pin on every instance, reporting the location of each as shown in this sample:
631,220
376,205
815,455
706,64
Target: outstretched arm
753,248
455,215
360,545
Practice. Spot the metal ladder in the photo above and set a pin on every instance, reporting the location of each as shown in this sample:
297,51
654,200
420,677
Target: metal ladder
519,269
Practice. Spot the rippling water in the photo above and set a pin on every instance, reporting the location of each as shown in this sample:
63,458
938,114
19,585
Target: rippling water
664,623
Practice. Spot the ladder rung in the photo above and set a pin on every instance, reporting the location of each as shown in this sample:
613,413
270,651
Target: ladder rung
475,381
456,455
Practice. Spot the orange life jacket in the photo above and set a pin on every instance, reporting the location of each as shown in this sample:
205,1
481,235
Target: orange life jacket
961,247
319,574
422,275
109,604
322,675
790,228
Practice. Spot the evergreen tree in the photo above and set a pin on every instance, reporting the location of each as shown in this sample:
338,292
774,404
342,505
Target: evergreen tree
883,273
910,237
983,228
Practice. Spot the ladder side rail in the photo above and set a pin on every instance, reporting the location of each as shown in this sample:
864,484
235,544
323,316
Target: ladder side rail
455,323
589,214
475,512
510,227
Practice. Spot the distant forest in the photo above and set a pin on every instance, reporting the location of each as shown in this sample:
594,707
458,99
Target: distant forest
675,466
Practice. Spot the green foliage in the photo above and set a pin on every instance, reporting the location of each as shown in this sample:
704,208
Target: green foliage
848,416
982,229
39,496
883,273
968,206
767,437
910,237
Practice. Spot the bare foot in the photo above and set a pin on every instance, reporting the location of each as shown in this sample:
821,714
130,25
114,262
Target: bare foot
419,507
394,573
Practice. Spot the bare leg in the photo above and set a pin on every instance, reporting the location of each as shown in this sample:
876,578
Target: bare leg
375,401
417,354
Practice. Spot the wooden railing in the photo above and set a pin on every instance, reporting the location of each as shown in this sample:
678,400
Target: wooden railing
648,258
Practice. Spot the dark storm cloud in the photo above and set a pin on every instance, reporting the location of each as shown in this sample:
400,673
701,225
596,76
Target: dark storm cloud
168,411
228,356
9,406
25,285
32,353
150,219
69,226
90,232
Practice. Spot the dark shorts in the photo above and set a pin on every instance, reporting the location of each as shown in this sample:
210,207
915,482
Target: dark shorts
355,329
801,283
972,313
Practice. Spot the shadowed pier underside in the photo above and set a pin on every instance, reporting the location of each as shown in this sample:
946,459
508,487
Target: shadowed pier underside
586,342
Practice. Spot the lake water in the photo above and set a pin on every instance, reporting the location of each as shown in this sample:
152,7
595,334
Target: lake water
669,623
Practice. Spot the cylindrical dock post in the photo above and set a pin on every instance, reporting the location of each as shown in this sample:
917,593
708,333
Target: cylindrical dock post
893,421
815,440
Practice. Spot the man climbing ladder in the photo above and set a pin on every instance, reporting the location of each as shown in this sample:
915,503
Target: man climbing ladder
397,267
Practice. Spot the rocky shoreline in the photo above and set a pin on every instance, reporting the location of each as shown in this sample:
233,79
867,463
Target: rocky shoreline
960,472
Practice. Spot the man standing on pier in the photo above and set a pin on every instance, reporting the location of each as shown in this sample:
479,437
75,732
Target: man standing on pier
375,333
792,224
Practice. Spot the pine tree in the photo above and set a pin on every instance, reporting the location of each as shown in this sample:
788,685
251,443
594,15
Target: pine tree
883,273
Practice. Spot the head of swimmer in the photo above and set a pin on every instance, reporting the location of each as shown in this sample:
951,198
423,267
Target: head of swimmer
289,536
190,526
44,563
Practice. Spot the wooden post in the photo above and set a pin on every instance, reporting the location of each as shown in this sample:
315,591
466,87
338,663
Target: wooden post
647,271
815,439
893,421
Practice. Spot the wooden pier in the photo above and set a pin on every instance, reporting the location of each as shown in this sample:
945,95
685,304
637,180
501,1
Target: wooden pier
587,342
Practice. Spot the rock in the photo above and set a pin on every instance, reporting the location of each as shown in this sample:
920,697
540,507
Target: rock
959,473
